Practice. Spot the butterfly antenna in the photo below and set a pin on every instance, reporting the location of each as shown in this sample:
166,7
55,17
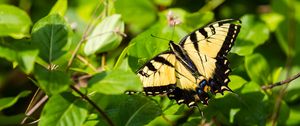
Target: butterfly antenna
159,37
173,32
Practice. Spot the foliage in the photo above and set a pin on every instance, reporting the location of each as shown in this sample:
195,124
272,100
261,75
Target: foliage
96,46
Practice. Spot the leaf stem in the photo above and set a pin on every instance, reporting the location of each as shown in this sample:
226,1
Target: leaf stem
103,114
286,81
34,108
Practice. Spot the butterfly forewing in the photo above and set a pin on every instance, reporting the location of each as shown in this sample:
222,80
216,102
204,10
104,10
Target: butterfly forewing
158,75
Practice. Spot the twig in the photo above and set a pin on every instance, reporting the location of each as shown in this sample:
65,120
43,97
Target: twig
86,62
34,108
87,30
103,114
288,80
291,44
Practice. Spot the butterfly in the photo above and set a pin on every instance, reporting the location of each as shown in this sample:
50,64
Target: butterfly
188,71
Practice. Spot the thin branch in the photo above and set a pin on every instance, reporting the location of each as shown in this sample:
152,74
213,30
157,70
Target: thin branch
87,30
34,108
103,114
86,62
288,80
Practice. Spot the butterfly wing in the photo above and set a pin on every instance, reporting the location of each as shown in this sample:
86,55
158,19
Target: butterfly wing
158,74
207,48
186,90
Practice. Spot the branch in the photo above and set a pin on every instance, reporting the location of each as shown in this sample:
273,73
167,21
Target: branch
288,80
103,114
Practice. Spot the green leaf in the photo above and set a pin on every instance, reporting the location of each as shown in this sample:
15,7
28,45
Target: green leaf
115,82
60,7
20,52
14,22
144,47
106,36
253,33
64,110
12,120
9,101
128,110
199,19
236,82
284,113
50,35
139,14
163,2
294,115
51,81
272,20
257,68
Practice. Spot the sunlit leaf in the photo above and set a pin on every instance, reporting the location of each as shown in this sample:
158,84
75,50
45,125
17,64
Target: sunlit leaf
143,47
51,81
60,7
127,110
21,53
14,22
139,14
106,36
257,68
9,101
50,35
199,19
115,82
64,110
253,33
272,20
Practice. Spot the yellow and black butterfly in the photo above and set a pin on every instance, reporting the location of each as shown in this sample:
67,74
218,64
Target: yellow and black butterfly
198,65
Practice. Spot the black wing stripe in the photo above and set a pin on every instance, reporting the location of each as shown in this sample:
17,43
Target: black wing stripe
193,38
163,61
229,40
203,32
151,67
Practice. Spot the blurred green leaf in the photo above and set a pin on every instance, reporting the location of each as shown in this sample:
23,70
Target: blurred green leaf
115,82
51,35
138,14
20,52
292,91
60,7
276,73
14,22
51,81
284,113
92,120
164,120
199,19
253,33
163,2
12,120
64,110
272,20
236,82
257,68
106,36
9,101
294,116
288,29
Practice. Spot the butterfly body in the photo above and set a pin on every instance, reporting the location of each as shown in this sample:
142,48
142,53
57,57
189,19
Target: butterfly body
194,67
